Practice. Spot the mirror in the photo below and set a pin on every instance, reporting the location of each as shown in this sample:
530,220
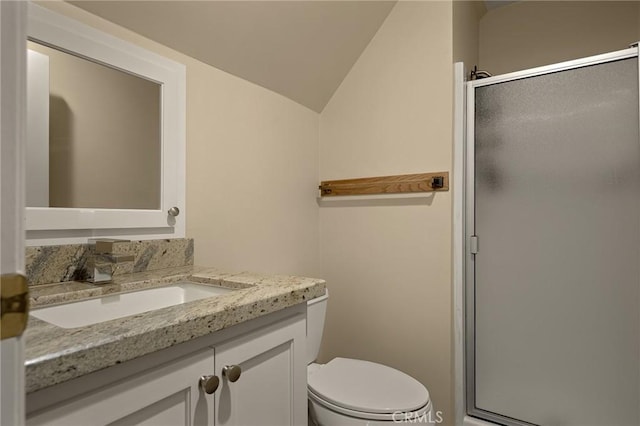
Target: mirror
99,145
106,134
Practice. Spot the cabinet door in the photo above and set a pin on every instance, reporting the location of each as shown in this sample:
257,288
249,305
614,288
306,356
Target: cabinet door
165,396
271,390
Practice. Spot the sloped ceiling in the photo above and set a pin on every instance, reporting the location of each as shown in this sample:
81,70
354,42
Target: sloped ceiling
492,4
300,49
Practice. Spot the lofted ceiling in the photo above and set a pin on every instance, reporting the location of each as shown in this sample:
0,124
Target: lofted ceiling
300,49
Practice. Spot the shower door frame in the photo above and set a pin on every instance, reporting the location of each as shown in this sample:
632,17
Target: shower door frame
467,414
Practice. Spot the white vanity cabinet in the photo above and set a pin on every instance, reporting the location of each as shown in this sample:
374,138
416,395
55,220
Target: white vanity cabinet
165,395
271,388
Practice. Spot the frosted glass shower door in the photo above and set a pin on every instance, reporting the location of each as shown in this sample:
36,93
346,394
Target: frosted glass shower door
555,282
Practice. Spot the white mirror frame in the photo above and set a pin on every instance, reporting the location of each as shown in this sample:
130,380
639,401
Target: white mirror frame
81,40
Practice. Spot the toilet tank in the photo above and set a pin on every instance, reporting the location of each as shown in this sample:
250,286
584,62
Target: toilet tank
316,311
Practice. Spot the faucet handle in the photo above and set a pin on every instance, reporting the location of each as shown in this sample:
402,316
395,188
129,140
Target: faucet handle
105,245
104,261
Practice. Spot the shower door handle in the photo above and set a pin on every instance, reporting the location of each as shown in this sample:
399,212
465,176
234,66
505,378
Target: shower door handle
473,244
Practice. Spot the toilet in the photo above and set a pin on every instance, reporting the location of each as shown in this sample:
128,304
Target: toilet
346,392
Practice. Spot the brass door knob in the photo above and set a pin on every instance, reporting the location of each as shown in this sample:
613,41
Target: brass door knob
232,372
209,384
14,295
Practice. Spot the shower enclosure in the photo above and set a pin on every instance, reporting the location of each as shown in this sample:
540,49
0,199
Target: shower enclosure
552,238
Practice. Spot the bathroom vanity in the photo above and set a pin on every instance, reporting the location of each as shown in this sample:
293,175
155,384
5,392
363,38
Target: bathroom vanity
236,358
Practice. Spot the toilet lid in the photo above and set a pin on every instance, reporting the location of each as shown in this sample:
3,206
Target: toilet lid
368,387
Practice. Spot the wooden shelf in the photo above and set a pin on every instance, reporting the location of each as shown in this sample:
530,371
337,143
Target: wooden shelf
419,182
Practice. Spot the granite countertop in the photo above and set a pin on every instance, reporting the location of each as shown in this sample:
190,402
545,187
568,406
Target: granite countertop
54,355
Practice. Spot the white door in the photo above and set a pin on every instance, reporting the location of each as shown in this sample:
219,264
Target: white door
12,130
271,387
168,395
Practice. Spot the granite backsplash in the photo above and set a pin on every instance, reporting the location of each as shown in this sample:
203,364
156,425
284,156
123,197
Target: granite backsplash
55,264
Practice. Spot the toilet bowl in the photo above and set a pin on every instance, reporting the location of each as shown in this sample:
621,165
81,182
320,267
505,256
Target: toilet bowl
347,392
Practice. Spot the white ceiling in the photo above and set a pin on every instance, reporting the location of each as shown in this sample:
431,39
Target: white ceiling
300,49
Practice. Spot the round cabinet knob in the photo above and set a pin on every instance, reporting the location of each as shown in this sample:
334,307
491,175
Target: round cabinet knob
209,384
232,372
174,211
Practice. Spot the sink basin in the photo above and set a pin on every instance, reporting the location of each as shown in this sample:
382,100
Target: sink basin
93,311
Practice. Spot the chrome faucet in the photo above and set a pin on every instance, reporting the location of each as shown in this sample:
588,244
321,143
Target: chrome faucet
103,262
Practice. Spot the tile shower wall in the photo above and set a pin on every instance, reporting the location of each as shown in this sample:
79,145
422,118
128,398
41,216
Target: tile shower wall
54,264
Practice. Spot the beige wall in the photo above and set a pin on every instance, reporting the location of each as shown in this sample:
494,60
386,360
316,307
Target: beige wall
528,34
252,167
252,161
388,262
466,32
85,147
